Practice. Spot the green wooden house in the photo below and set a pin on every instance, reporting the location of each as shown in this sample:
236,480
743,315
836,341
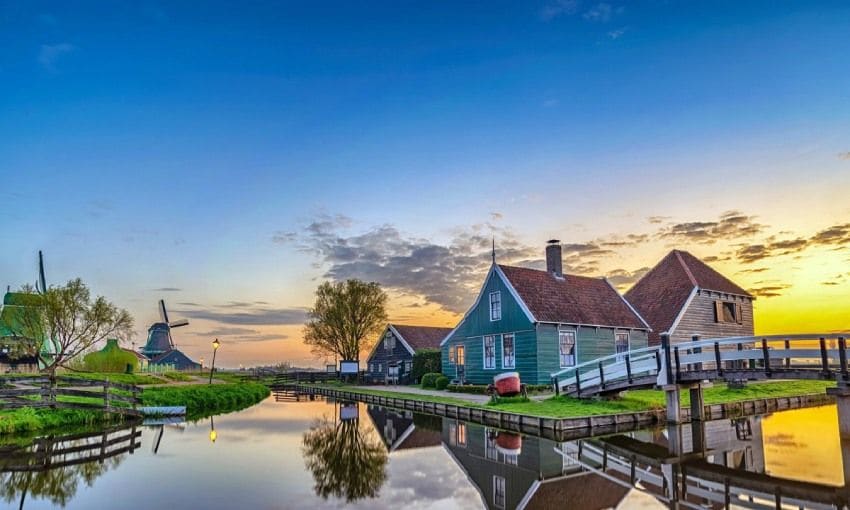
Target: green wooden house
538,322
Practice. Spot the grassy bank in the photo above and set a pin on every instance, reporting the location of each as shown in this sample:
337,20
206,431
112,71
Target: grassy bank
29,420
631,401
204,400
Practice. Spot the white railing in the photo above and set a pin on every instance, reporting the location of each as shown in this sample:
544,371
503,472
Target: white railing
825,353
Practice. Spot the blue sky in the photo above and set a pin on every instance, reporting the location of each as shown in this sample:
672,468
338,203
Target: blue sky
154,145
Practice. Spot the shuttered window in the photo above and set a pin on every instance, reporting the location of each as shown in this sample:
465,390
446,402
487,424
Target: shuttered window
495,306
728,311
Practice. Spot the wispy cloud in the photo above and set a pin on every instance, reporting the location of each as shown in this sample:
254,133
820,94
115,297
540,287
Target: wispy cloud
602,12
168,289
49,54
769,291
558,8
730,225
256,317
844,155
836,235
622,278
616,34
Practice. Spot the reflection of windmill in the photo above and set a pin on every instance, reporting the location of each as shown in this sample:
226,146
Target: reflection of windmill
159,334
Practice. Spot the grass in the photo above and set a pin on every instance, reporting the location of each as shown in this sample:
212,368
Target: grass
204,400
631,401
178,377
29,420
137,379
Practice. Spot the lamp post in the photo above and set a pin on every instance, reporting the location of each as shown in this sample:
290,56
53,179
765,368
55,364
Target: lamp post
216,345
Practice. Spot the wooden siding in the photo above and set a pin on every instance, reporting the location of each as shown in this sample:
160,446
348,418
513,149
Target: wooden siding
591,343
477,323
381,355
698,318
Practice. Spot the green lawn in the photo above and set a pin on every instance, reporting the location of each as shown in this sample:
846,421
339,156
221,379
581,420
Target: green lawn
204,400
631,401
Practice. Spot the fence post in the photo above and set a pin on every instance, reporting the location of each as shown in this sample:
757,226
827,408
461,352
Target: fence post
697,350
766,356
823,357
578,383
842,356
678,367
717,363
601,376
787,358
629,367
668,362
106,395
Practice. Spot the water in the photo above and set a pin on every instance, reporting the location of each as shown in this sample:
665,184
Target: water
319,454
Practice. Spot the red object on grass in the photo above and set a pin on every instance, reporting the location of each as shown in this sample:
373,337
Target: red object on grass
507,384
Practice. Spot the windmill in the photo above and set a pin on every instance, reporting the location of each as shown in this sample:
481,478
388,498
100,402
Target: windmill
159,334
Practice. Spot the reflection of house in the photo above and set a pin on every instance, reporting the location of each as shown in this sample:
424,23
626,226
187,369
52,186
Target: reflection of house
684,296
587,491
504,466
391,360
403,430
539,322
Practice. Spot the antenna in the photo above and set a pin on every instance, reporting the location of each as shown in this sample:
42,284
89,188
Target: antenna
42,283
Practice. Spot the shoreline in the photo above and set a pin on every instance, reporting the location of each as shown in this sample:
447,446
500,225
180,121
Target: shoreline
567,427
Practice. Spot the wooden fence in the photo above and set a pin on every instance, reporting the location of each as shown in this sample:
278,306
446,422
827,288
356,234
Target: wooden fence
69,393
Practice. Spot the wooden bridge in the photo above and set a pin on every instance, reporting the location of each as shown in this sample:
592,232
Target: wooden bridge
807,356
70,393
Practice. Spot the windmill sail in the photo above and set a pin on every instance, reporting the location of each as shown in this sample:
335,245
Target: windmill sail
163,315
41,284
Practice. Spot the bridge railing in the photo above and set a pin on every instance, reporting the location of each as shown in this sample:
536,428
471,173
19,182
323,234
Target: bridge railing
609,370
816,353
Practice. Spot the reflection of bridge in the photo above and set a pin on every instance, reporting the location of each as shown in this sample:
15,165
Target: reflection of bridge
695,471
686,365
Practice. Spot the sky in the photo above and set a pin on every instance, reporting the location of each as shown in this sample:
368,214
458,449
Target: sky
230,158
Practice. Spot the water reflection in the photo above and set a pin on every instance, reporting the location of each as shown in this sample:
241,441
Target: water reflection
361,456
347,459
52,467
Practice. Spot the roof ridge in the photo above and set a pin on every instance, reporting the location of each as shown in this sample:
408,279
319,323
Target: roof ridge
571,275
686,268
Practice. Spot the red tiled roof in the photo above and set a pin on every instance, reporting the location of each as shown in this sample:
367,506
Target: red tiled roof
662,292
421,438
589,491
571,299
422,337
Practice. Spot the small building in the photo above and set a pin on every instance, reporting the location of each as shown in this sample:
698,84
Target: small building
391,359
683,296
403,430
16,312
539,322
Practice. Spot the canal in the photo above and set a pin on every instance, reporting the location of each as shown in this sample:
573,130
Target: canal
294,452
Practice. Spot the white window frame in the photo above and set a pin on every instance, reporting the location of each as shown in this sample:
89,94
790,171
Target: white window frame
484,352
452,357
389,341
621,355
513,356
575,348
500,503
496,312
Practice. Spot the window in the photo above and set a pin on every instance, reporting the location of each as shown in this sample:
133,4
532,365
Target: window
389,341
499,491
461,434
490,450
379,367
621,344
508,353
567,348
728,311
495,306
451,354
461,355
489,351
408,366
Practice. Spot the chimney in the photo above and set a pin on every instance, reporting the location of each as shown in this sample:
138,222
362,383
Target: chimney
554,265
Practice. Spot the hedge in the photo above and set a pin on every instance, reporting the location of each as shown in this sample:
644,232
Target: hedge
442,382
481,389
425,361
430,380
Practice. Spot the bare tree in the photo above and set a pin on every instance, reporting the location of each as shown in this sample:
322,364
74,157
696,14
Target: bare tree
64,322
346,318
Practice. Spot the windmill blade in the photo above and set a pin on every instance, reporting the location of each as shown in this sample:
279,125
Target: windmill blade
178,323
170,339
41,280
163,315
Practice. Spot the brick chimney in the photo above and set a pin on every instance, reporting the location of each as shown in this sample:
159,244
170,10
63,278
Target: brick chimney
554,264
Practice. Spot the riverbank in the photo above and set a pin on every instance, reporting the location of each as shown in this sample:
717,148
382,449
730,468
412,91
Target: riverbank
630,402
200,399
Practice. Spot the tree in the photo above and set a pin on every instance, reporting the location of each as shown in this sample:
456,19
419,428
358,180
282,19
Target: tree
346,461
346,318
64,322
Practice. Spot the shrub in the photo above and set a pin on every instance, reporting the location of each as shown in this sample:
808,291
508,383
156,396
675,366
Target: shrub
477,389
425,361
441,382
111,358
429,380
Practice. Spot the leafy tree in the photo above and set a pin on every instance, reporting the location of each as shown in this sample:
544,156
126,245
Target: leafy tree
346,460
346,318
69,321
426,361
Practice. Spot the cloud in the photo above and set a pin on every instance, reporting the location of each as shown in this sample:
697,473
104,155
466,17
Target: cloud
226,331
844,155
622,278
657,219
49,54
600,12
769,291
616,34
257,317
730,225
168,289
624,241
834,235
496,216
558,8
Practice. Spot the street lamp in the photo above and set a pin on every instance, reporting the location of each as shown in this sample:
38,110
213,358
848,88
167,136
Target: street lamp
216,345
202,363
